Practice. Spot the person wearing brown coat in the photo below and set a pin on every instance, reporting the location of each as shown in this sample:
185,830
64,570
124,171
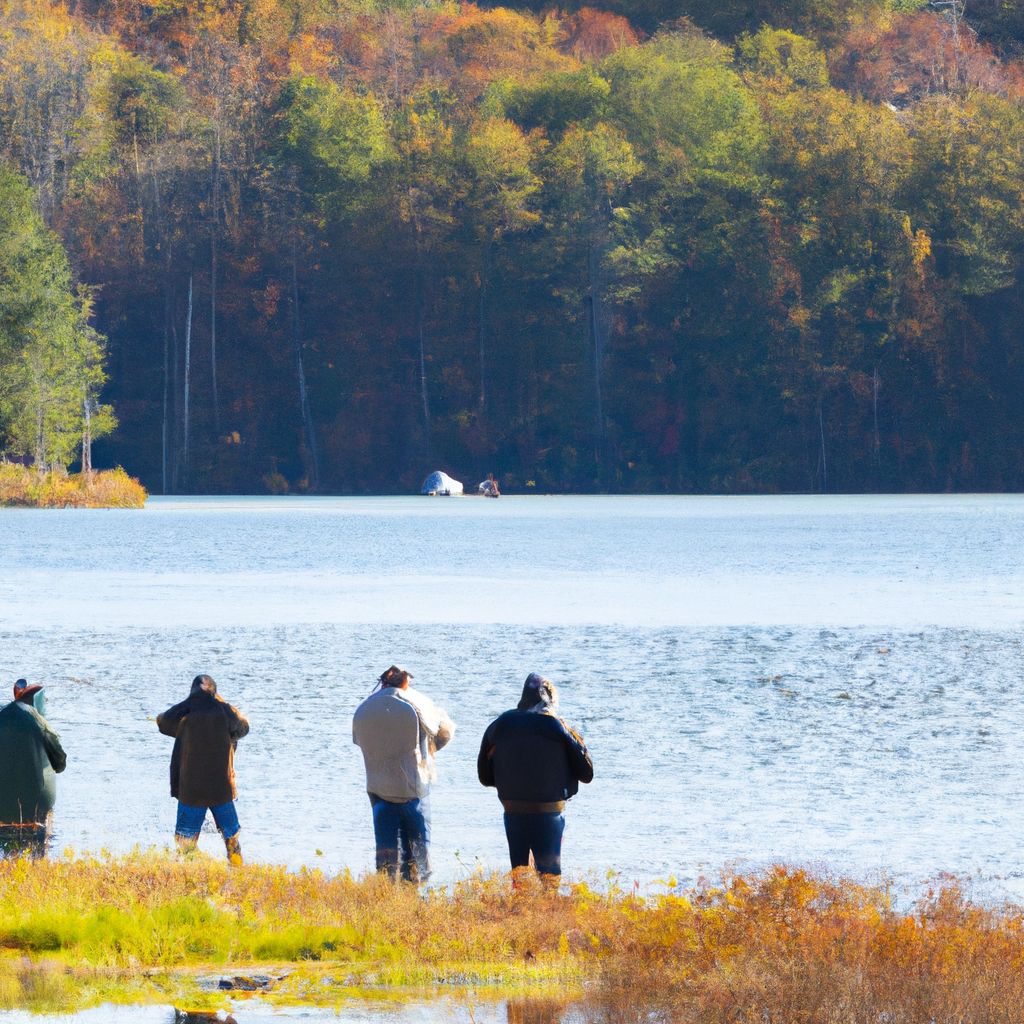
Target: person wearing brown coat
206,731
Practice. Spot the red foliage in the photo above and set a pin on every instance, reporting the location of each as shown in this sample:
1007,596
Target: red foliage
918,56
590,34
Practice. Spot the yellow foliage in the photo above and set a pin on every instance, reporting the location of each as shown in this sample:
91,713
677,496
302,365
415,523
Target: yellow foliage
113,488
783,944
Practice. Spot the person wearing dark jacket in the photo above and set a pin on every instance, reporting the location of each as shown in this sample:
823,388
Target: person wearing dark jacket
30,759
206,731
537,763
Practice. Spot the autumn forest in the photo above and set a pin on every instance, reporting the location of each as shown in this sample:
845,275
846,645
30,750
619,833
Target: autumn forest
328,246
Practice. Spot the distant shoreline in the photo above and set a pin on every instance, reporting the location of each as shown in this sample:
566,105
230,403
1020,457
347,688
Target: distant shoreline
25,487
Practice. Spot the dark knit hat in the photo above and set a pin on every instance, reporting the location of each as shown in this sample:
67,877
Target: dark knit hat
394,676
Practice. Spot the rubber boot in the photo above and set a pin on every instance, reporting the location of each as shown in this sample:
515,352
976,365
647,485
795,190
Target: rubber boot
186,844
234,848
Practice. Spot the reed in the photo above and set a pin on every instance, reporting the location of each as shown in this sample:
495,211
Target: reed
783,945
109,488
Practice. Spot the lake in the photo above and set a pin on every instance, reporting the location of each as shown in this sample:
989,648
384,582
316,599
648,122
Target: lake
823,680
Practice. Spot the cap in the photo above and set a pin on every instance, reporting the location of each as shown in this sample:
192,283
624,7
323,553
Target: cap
24,692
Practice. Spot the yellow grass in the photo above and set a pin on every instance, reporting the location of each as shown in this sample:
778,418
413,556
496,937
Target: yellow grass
781,946
109,488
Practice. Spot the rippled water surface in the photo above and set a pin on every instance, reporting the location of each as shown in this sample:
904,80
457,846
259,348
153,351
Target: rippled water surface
831,680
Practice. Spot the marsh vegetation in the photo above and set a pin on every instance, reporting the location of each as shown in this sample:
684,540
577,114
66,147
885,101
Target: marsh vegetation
781,945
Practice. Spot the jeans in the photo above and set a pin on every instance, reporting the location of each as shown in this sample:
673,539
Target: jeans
402,834
190,820
539,834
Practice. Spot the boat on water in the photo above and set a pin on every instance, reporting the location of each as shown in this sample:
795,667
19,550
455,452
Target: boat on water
441,485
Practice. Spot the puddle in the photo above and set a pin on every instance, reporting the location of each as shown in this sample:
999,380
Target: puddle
455,1011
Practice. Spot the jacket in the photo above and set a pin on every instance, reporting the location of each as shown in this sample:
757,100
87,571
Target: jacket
534,759
206,730
398,732
30,757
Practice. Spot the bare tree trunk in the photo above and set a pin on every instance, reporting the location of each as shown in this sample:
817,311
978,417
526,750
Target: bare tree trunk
164,436
823,458
213,275
40,455
87,437
188,379
598,338
300,369
421,337
485,274
876,384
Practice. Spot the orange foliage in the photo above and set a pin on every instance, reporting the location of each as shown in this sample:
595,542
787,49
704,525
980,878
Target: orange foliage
907,59
590,35
790,946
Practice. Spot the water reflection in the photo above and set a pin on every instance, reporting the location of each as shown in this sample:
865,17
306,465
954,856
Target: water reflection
522,1010
537,1011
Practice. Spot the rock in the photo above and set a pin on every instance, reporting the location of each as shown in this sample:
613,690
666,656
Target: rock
203,1017
249,982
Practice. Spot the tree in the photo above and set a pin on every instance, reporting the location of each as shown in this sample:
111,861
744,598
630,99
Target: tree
51,360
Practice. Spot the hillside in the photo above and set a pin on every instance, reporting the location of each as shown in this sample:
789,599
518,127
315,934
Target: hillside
667,245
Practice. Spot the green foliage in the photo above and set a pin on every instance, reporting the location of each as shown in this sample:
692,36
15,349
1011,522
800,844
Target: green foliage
336,138
783,56
51,359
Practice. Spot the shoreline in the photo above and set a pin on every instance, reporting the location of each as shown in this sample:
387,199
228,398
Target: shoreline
24,487
149,928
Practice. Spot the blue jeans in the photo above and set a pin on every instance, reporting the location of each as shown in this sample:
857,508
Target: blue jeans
402,834
190,819
539,834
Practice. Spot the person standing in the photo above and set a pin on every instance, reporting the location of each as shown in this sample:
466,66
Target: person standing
536,762
399,729
206,731
31,757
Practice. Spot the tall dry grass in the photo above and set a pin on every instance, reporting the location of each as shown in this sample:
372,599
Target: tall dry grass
108,488
780,947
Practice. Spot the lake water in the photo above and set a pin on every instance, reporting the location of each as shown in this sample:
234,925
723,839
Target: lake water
457,1011
824,680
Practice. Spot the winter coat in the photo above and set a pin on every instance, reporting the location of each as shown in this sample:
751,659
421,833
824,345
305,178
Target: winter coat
398,731
206,730
535,761
30,755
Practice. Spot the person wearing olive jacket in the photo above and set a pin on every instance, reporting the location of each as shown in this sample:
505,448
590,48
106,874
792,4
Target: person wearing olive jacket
536,762
206,731
30,758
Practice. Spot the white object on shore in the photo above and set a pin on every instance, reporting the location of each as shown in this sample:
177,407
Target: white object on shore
441,484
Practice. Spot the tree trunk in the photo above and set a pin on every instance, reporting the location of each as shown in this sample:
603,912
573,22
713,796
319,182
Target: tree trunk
308,429
876,384
188,380
87,437
823,456
421,338
213,275
598,334
164,434
485,275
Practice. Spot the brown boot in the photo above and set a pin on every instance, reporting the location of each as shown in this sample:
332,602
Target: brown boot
186,844
234,848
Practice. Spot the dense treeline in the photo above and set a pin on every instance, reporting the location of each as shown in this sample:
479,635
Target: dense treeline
669,245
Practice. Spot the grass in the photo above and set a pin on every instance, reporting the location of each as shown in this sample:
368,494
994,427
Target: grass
781,946
108,488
